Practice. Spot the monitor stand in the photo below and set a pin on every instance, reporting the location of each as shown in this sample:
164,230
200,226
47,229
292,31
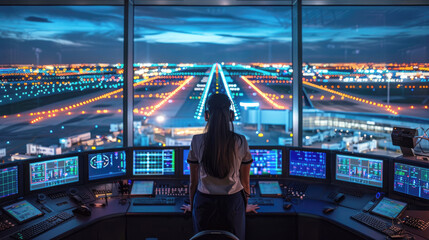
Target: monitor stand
407,152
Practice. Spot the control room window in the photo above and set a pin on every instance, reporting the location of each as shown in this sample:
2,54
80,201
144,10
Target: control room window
183,54
366,70
60,79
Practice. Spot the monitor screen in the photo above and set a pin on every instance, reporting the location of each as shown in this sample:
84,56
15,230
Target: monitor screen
22,211
411,180
307,164
154,162
107,164
389,208
266,162
142,188
365,171
54,172
186,167
269,188
8,181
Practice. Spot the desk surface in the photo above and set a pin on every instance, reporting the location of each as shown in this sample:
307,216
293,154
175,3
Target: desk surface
317,197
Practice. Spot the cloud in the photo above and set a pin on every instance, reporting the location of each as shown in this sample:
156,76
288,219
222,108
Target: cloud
37,19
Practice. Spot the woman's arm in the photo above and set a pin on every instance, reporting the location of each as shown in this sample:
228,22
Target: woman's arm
193,184
245,179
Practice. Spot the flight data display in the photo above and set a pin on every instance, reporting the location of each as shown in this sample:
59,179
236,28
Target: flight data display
8,181
411,180
365,171
307,164
54,172
107,164
22,211
389,208
266,162
154,162
186,167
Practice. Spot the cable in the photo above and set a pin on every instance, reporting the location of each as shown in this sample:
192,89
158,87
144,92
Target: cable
425,136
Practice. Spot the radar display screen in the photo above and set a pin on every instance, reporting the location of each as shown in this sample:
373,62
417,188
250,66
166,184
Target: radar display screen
389,208
8,181
411,180
365,171
107,164
54,172
153,162
307,164
266,162
22,211
186,167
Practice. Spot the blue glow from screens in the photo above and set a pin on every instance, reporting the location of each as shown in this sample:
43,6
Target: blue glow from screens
186,167
8,181
54,172
266,162
107,164
365,171
153,162
411,180
307,164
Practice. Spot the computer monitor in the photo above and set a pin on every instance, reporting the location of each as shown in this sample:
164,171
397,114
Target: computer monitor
411,180
266,161
311,164
186,167
22,211
8,181
106,165
149,162
54,172
359,170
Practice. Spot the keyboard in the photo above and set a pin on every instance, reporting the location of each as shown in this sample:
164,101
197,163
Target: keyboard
155,201
261,201
415,223
377,224
42,227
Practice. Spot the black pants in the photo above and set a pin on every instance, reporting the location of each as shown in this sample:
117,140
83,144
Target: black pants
220,212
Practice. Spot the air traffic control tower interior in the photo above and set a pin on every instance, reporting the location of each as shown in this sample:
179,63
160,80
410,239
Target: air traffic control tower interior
99,101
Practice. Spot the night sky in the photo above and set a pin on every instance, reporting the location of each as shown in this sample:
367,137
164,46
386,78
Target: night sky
174,34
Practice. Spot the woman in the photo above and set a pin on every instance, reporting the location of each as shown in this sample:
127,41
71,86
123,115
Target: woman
220,168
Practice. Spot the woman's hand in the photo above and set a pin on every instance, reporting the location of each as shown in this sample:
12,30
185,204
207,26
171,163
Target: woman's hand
186,208
251,208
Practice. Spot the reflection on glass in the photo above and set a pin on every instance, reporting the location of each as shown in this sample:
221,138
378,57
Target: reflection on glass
366,70
184,54
60,81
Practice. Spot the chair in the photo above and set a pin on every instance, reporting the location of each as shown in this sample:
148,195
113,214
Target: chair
214,235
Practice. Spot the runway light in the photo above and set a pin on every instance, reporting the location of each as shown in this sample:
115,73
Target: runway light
160,119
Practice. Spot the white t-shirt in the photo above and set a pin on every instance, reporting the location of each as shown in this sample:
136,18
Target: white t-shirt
211,185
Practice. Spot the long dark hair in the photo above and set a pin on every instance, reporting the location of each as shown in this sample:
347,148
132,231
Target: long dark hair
220,139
